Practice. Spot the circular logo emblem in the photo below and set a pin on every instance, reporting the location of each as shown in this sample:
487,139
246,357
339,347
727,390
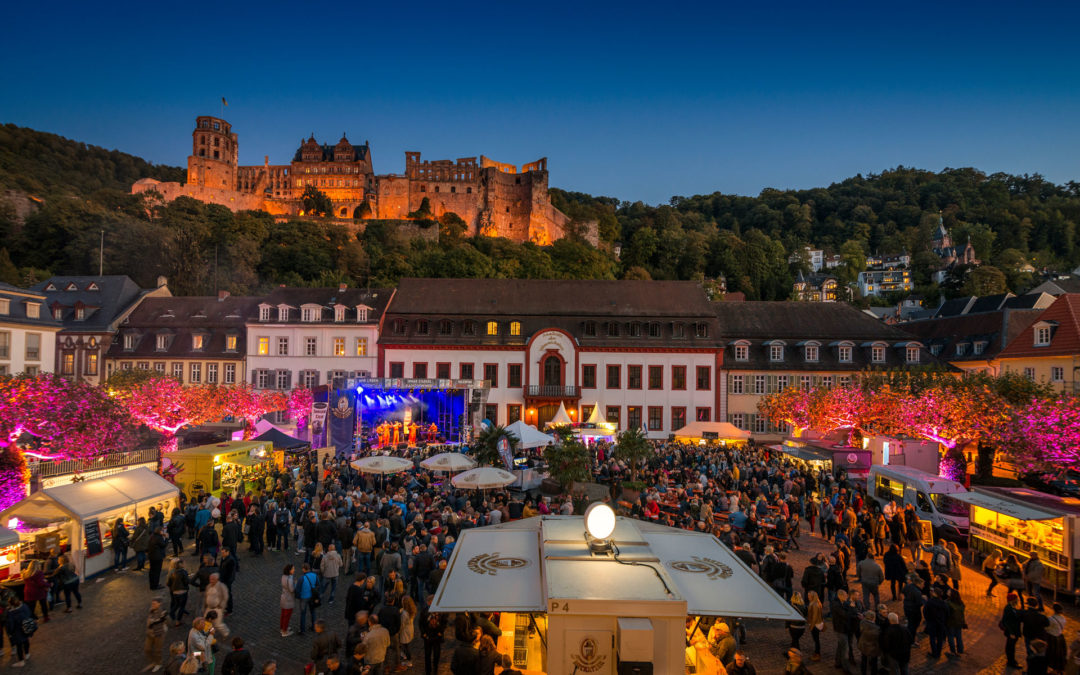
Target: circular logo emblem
588,659
852,458
713,569
493,563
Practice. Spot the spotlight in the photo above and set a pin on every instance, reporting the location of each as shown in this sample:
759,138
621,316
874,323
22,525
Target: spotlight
599,524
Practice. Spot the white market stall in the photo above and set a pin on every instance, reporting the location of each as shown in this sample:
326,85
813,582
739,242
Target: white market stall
703,432
79,517
571,603
529,436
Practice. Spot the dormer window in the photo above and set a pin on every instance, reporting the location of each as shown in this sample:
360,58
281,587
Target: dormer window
877,354
5,306
978,348
701,330
230,343
339,313
93,286
612,329
197,342
71,286
310,314
961,348
361,314
422,326
678,330
654,330
282,313
398,327
80,313
912,353
162,343
50,287
57,313
742,352
468,328
33,310
776,353
515,328
810,353
492,328
129,342
1042,336
264,313
844,353
633,329
590,329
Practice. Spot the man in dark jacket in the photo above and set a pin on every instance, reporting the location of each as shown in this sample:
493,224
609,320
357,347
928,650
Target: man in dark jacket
325,644
432,629
256,528
175,530
208,539
813,579
844,619
156,550
913,602
466,657
936,613
227,571
238,661
896,644
422,565
231,533
1035,623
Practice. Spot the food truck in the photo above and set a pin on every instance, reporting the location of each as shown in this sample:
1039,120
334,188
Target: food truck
221,468
935,499
602,594
78,518
1021,521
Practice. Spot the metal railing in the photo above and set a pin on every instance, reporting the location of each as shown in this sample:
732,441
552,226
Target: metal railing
60,467
552,391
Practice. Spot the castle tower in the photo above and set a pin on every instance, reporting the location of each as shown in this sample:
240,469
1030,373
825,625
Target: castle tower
214,153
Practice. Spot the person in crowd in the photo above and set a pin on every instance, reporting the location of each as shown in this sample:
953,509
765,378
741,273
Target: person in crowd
407,631
466,659
869,642
330,568
794,665
228,569
376,644
140,542
119,545
815,619
896,645
179,585
36,589
432,629
870,576
956,622
177,656
1037,661
326,643
156,627
1035,622
1034,570
307,589
796,629
238,661
1056,651
215,595
200,643
990,569
1012,626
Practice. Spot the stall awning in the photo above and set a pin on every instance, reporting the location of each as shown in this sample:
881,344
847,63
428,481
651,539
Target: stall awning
492,569
93,497
1006,506
8,537
717,430
247,460
804,453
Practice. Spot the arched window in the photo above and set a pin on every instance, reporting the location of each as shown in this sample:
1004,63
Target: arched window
515,328
492,327
552,372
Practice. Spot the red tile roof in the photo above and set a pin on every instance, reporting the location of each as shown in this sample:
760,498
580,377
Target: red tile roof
1065,338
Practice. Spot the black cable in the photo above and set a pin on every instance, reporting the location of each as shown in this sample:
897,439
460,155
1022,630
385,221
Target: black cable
640,564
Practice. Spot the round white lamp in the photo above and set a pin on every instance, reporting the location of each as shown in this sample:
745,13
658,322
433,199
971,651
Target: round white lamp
599,520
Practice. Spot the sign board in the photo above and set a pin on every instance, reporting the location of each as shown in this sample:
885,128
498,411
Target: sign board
589,651
926,530
503,447
710,435
46,542
94,545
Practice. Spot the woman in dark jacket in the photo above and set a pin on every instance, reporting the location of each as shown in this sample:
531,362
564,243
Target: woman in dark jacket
119,545
895,570
36,589
1011,625
17,615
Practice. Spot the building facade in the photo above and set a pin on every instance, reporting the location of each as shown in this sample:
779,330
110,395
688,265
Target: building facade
197,340
27,332
880,282
645,352
1048,349
91,310
814,288
771,346
308,336
493,198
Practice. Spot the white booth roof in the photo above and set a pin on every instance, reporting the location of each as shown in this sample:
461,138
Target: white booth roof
529,436
90,498
526,565
8,537
1009,507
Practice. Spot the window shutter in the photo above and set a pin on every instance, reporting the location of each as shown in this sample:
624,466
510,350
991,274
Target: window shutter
816,381
316,374
730,382
288,379
770,384
254,378
751,420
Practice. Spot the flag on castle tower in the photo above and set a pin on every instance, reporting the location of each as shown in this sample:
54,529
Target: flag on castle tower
224,102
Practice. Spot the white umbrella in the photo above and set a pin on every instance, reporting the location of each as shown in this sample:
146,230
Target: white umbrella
483,478
382,464
448,461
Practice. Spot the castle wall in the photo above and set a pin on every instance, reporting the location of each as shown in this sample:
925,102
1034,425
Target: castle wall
236,201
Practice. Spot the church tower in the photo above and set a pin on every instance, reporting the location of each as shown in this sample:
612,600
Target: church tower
212,162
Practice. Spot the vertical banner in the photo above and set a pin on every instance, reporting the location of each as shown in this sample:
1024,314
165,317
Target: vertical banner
317,425
504,451
342,419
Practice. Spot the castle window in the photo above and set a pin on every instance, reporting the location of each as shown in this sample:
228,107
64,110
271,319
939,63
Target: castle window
453,189
446,327
468,328
423,188
202,153
612,329
217,142
217,155
517,181
590,328
217,126
468,191
436,188
654,330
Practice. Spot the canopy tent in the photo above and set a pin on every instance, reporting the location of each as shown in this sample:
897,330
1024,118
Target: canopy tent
90,498
595,417
380,464
544,558
529,436
560,418
282,440
721,431
261,427
483,478
448,461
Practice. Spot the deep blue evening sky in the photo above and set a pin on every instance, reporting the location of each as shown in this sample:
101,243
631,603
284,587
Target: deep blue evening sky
634,100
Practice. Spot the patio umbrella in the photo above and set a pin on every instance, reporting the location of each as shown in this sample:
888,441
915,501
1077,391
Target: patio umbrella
483,478
448,461
381,464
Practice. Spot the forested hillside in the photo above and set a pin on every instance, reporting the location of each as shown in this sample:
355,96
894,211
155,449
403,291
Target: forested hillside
82,190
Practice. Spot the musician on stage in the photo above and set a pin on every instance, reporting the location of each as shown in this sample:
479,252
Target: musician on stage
397,432
432,431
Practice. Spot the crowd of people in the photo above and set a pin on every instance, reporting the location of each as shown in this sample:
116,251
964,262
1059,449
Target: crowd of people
364,554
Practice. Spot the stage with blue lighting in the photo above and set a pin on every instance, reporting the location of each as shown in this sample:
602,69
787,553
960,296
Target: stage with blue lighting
394,413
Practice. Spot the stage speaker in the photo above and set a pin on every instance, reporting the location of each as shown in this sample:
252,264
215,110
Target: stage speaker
635,668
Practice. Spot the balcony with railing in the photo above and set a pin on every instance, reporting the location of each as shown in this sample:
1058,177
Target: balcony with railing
552,391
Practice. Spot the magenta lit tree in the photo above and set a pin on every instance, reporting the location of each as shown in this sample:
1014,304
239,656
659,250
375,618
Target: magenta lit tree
299,406
954,415
251,404
1045,435
166,406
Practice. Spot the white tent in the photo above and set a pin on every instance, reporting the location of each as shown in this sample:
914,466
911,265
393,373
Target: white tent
483,478
595,417
560,418
97,503
712,430
382,464
448,461
528,436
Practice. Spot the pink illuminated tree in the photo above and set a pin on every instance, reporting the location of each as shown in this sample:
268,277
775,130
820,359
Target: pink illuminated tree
791,406
1045,435
163,404
299,406
251,404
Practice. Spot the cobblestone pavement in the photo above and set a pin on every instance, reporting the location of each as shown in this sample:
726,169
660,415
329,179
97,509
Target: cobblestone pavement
107,635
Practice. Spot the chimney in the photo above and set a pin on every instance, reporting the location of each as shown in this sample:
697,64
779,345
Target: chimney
341,288
162,282
221,295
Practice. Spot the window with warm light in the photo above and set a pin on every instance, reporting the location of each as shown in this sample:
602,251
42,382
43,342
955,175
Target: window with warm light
263,348
515,328
230,343
339,346
197,342
91,363
361,346
492,327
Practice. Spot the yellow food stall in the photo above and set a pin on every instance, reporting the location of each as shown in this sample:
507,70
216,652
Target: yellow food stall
221,468
79,517
1021,521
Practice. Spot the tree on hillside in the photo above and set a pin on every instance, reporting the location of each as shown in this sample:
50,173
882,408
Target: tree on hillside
315,202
